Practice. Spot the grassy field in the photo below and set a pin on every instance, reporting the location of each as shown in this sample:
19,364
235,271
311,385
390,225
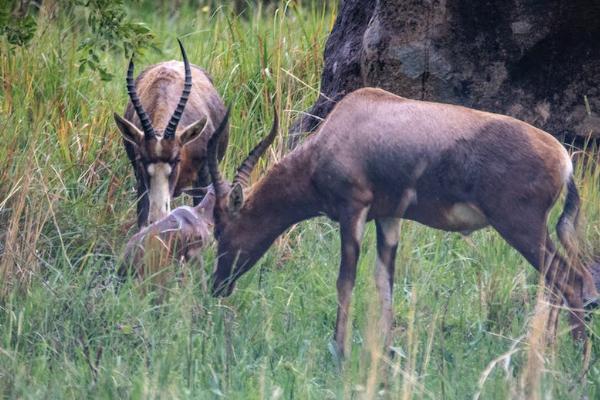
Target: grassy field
467,311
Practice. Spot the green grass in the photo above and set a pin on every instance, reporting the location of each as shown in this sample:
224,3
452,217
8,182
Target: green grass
67,208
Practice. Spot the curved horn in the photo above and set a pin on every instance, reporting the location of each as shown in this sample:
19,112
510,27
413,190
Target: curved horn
137,104
187,86
212,150
243,173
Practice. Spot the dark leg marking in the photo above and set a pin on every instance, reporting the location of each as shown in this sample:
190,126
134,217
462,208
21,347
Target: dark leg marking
387,244
351,231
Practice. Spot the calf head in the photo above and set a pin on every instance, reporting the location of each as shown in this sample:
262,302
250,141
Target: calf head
179,236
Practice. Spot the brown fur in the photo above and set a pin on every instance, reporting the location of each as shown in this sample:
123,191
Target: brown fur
382,157
159,88
177,237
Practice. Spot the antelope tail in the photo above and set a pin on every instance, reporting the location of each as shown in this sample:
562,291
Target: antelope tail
568,221
566,228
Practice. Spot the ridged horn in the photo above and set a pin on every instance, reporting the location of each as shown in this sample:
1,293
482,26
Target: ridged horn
212,150
137,104
187,87
243,173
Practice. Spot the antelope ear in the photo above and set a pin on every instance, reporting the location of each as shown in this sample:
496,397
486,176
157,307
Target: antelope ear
192,132
236,198
129,131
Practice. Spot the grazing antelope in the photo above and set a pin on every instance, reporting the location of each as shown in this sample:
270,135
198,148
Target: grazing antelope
168,159
178,236
382,157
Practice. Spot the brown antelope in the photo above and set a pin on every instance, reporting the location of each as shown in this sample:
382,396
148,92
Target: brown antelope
179,236
382,157
168,159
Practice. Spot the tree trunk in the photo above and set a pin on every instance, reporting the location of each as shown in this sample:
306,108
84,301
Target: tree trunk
536,60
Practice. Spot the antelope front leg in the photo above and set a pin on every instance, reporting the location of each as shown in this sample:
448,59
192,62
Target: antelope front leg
351,231
387,243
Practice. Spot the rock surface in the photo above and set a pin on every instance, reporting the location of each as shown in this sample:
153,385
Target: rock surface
536,60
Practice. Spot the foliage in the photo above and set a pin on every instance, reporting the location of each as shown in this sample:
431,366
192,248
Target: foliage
107,28
16,24
465,309
110,29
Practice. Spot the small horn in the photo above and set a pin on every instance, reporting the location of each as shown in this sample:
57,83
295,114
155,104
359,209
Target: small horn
212,155
187,86
137,104
243,173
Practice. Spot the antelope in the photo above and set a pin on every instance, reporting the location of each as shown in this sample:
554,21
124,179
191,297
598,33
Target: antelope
382,157
169,160
179,236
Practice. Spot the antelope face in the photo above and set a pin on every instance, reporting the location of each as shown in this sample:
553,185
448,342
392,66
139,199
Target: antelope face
232,237
229,249
158,162
223,279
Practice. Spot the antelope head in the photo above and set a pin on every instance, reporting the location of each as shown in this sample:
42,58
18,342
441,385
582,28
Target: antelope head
229,202
158,154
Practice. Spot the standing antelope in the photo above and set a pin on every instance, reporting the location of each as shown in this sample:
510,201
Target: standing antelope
382,157
168,160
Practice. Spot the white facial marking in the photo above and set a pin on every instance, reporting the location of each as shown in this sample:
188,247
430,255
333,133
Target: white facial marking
160,196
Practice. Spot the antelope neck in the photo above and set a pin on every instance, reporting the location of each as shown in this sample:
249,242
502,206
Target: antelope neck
285,196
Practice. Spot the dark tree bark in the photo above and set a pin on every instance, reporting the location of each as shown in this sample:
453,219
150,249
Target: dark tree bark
536,60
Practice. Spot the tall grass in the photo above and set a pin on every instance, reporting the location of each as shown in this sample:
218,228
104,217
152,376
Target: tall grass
467,316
